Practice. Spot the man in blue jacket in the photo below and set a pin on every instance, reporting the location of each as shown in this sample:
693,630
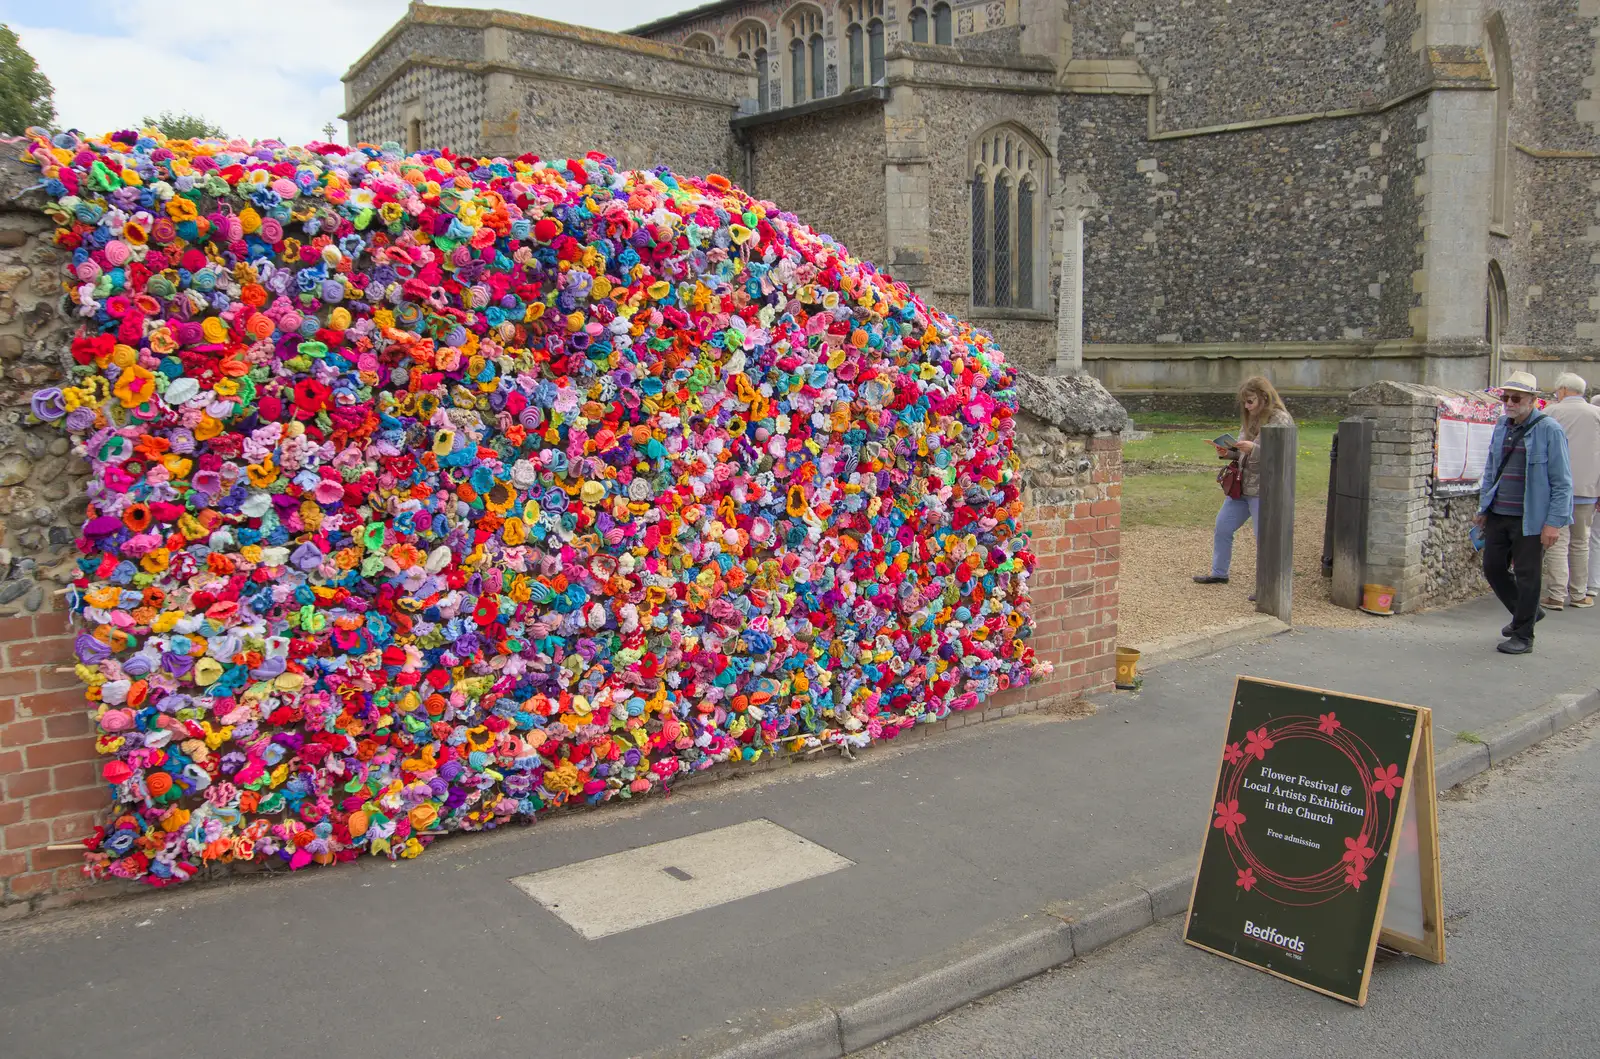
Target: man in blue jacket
1524,500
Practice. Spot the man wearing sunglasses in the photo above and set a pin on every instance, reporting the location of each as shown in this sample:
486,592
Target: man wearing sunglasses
1522,505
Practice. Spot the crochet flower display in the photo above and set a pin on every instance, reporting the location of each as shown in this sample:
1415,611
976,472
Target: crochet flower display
430,493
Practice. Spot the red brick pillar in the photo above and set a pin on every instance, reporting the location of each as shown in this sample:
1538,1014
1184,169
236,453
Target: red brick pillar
49,773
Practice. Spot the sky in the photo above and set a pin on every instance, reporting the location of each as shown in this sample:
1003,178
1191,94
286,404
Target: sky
258,69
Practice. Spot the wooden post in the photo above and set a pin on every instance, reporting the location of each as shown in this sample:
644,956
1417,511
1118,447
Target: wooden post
1275,553
1327,518
1350,512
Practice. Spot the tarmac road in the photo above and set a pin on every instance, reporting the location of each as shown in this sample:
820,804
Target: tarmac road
1522,910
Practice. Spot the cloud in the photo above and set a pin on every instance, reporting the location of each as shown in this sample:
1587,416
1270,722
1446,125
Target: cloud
257,69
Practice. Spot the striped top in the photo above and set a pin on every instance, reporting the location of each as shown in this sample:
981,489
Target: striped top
1513,480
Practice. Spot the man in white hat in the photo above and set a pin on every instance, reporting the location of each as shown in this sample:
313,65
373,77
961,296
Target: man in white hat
1567,563
1524,501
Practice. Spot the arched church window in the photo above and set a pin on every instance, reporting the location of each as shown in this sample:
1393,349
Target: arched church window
919,25
941,24
858,67
749,41
875,49
808,69
1010,187
701,42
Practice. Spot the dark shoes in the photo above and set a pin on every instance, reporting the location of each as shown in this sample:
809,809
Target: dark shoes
1515,645
1209,579
1537,618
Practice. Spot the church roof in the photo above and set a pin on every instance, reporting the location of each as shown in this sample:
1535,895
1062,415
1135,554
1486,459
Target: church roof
715,7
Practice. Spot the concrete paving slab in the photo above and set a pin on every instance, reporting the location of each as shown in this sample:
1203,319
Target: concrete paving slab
624,891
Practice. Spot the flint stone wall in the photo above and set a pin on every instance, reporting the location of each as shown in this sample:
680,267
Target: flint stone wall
1416,527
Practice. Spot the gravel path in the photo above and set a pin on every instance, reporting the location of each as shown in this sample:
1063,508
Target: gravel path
1159,599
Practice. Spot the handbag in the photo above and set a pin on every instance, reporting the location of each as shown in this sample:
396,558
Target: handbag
1231,478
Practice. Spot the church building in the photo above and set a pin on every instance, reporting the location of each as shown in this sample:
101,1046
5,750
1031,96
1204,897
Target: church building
1170,194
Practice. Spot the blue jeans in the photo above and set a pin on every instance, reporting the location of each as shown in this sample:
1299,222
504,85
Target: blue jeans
1232,515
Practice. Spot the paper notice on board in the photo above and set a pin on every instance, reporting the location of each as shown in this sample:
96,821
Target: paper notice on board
1478,437
1463,451
1451,461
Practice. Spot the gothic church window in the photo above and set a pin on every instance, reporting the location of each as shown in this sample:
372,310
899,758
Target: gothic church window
701,42
819,74
807,64
864,39
930,20
749,42
1010,186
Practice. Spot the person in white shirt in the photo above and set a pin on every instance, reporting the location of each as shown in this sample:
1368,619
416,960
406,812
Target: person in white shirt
1568,565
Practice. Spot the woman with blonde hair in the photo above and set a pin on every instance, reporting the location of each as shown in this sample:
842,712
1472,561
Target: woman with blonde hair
1259,406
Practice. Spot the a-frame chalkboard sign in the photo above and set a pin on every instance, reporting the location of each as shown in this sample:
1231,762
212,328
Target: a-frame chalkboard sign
1323,839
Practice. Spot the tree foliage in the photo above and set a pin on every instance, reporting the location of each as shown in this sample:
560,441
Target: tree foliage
26,96
185,126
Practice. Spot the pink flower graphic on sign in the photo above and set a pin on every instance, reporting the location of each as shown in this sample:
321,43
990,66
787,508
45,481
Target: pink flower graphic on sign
1357,852
1354,876
1258,743
1228,817
1247,878
1387,780
1232,754
1327,723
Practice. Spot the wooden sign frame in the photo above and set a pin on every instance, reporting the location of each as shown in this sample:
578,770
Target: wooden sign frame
1408,849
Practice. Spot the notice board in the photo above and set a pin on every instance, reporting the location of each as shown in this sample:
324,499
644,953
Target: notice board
1323,803
1466,425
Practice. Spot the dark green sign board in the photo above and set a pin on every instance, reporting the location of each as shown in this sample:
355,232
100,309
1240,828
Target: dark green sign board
1309,801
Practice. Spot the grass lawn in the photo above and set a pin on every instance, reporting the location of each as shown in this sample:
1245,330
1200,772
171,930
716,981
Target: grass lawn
1171,477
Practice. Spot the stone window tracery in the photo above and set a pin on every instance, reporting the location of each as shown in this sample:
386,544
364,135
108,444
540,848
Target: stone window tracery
864,36
1010,186
701,42
802,26
930,23
749,41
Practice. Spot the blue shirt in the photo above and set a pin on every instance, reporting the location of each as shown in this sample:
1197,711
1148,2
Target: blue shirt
1547,487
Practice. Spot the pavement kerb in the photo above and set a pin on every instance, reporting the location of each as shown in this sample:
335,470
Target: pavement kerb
1119,911
1186,645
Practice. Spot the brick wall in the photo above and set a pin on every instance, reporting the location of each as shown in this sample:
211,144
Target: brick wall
50,786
